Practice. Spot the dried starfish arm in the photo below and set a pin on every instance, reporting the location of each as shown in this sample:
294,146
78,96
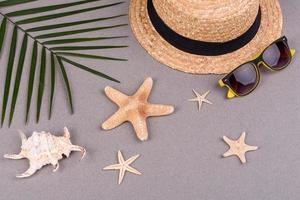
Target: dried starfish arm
140,126
251,148
132,170
227,140
80,149
158,110
228,153
120,157
115,120
144,90
14,156
121,175
242,137
132,159
113,167
115,96
242,157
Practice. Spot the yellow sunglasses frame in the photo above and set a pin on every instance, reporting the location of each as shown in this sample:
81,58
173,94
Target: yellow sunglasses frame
231,94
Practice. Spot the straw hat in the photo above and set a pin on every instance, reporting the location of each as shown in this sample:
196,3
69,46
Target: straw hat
205,36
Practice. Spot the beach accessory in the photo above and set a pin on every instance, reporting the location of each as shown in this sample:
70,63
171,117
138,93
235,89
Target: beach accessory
245,78
201,98
238,147
43,148
135,109
205,36
123,166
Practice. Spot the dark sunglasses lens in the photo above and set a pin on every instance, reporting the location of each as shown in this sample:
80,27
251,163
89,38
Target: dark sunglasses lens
244,79
277,55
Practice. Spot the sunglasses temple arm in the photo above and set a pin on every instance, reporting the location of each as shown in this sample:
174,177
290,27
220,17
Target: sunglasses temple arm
230,93
293,51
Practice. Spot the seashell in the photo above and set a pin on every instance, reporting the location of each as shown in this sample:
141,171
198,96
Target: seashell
43,148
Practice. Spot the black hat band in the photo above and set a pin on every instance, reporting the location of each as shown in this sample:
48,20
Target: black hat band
201,47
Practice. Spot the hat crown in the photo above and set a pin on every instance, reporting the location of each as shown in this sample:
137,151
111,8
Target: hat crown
208,20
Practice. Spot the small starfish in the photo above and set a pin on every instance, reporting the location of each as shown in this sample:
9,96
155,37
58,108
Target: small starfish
238,147
123,166
201,98
135,109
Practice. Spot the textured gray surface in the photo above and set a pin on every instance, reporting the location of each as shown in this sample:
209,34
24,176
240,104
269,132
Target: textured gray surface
182,158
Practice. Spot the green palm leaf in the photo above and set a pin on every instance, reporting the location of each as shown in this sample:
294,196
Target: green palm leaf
68,24
66,33
31,78
2,32
46,8
89,56
67,84
52,84
14,2
75,48
41,84
18,78
64,14
89,69
56,52
76,40
9,70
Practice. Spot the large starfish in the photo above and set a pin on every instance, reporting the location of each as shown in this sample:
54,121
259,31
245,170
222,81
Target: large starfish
238,147
135,109
123,166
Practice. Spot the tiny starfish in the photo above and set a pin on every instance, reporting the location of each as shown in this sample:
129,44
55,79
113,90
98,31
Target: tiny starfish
200,98
123,166
135,109
238,147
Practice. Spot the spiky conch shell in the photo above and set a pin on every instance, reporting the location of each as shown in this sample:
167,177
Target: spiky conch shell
43,148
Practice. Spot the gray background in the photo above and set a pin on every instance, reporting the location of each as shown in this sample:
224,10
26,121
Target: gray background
182,159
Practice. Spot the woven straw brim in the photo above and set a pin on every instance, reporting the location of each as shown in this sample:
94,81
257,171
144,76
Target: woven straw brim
270,30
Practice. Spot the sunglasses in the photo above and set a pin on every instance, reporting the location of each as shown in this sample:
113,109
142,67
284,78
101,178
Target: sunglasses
245,78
